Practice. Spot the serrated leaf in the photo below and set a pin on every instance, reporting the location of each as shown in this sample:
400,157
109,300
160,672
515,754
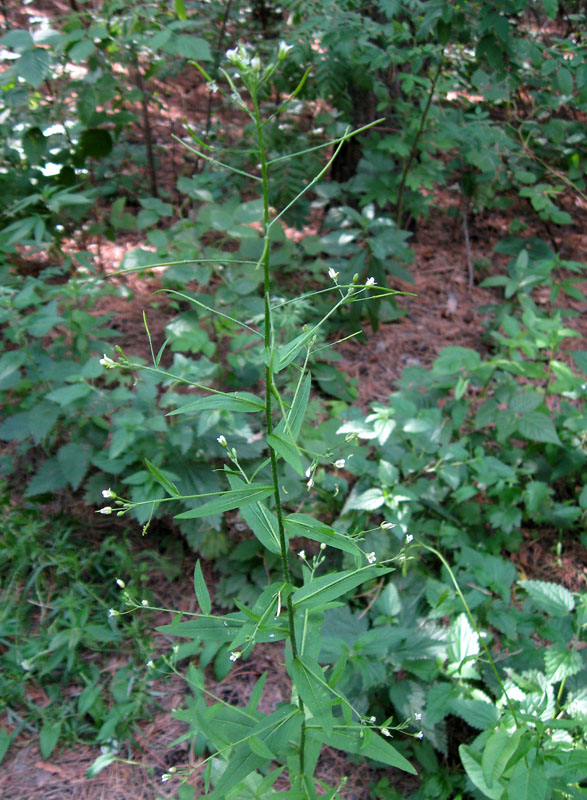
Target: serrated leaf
34,66
550,597
245,402
234,498
560,662
538,428
285,447
476,713
369,500
330,587
201,590
310,528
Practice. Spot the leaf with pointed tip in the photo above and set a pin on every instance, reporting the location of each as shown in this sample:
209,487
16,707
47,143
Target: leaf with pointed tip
201,590
235,498
162,479
237,401
329,587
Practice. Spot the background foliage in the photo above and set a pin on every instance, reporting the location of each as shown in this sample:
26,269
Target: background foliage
487,101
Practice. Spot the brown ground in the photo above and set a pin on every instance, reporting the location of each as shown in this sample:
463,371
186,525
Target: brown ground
445,313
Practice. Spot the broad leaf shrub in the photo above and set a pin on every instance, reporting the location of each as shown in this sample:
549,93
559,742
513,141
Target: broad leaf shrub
244,741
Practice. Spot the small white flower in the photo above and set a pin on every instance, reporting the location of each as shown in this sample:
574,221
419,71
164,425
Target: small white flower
213,87
222,441
308,472
322,545
106,510
418,717
256,64
401,559
386,525
27,665
420,735
370,282
339,463
235,655
310,483
150,664
112,612
120,583
409,538
372,720
385,732
107,362
332,274
165,777
232,55
371,558
144,602
302,555
107,494
283,50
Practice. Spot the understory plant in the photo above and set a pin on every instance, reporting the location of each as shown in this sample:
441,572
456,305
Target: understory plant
245,742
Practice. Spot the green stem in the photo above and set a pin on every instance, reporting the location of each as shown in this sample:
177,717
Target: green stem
269,345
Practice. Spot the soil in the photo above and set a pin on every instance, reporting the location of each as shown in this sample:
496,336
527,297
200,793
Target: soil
446,312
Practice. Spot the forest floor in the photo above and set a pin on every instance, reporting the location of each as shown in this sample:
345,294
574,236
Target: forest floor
446,312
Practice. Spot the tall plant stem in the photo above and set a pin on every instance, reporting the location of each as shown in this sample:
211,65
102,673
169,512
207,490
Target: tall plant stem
413,149
146,127
268,336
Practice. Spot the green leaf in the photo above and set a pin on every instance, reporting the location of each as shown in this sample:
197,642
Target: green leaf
549,597
162,479
206,629
193,47
74,460
370,500
330,587
527,781
34,66
69,394
560,662
257,693
100,763
201,590
538,428
285,447
95,143
34,145
237,401
287,353
314,691
456,359
180,9
477,713
48,738
5,742
472,765
498,750
297,412
310,528
360,740
564,80
550,8
235,498
260,520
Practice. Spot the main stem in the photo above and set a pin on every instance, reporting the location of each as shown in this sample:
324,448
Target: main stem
268,410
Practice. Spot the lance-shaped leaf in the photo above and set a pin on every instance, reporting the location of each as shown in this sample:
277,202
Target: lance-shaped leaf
329,587
260,520
285,446
314,692
162,479
201,590
237,401
362,741
235,498
287,353
310,528
297,412
206,629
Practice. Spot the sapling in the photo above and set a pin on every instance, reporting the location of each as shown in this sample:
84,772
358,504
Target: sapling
243,739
